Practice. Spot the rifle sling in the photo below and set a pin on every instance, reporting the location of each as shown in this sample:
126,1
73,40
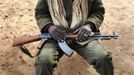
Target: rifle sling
26,50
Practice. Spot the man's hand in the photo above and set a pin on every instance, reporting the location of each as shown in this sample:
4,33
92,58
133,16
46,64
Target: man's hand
83,32
56,32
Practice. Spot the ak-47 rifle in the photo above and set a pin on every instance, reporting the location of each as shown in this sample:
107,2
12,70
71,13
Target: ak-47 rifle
19,41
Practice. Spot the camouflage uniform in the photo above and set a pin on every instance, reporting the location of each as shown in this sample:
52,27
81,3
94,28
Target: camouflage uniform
93,52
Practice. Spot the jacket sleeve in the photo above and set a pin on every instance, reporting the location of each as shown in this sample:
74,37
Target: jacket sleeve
96,15
42,15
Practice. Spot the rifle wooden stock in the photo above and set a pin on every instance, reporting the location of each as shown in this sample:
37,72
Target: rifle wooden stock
25,39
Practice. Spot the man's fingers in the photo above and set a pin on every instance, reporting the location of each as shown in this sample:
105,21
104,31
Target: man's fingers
54,36
59,36
83,35
79,35
56,32
61,32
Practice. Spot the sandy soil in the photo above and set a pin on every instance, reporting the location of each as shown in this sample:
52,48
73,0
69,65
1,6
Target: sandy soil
17,18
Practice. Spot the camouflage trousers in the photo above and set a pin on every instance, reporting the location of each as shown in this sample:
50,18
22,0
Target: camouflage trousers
93,52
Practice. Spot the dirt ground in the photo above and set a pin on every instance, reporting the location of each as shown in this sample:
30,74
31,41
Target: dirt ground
17,18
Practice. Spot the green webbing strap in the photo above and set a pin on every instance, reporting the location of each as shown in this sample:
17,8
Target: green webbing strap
26,51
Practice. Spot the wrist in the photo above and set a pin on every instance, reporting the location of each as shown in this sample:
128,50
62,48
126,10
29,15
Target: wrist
89,27
92,26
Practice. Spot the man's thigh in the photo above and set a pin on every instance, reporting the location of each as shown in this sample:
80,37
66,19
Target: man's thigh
50,53
92,52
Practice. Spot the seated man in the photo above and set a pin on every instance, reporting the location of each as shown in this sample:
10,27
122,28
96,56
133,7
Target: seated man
58,17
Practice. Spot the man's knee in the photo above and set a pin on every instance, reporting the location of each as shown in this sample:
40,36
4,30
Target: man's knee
47,58
105,65
101,61
99,53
